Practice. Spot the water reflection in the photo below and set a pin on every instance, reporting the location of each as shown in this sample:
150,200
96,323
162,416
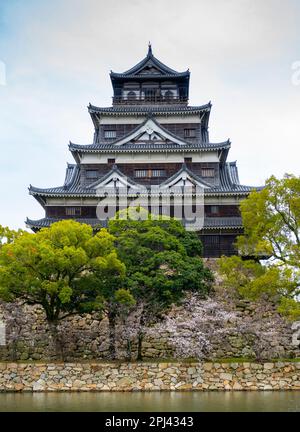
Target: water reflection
143,402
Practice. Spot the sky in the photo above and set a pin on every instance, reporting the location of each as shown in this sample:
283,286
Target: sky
55,59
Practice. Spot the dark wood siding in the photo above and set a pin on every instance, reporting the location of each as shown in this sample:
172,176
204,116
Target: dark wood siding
178,130
102,169
216,245
223,211
175,128
60,212
129,170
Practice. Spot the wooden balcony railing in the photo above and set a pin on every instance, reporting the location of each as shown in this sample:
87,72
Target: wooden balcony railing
149,99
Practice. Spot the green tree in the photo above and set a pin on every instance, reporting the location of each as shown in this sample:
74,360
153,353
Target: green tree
271,219
163,263
251,280
54,268
7,235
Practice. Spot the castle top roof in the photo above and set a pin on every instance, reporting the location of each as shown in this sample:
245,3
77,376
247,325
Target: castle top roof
149,67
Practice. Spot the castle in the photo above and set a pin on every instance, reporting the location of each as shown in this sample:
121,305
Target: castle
150,136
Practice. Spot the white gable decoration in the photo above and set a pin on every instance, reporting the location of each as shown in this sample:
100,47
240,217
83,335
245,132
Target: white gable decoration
150,129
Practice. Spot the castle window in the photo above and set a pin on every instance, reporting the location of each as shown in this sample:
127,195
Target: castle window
131,95
208,172
149,173
214,209
169,95
110,134
189,133
91,174
188,160
158,173
141,173
73,211
111,161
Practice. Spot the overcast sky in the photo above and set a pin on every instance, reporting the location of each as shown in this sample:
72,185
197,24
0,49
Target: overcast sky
57,55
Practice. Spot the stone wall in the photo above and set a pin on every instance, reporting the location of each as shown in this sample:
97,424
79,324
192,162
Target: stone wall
257,331
148,376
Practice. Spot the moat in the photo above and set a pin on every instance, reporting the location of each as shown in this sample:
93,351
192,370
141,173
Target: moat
280,401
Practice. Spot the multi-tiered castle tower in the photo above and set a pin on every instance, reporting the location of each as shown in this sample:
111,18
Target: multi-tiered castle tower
150,136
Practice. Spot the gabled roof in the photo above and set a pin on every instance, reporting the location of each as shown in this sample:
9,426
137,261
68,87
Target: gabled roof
149,126
229,184
113,175
186,174
140,140
156,69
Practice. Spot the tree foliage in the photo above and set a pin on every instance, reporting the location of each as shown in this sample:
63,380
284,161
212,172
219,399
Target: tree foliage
163,263
271,219
51,268
251,280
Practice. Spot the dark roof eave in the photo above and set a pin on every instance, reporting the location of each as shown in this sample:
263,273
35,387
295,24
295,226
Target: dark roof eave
136,148
89,194
142,110
115,76
221,224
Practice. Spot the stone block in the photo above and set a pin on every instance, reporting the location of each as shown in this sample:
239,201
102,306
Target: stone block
226,376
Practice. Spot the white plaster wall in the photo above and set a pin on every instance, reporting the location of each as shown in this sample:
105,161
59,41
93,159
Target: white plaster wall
94,201
94,158
187,118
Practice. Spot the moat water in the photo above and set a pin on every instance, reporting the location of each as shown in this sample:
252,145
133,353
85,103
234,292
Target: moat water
278,401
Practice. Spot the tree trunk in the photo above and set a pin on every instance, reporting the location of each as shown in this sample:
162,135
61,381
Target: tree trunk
140,346
112,335
58,345
128,350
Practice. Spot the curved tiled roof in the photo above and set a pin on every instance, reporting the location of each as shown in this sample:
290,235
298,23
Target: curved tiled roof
70,186
154,109
209,222
141,147
166,71
229,184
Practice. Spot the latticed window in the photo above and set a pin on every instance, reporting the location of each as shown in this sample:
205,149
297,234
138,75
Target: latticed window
158,173
189,133
150,173
208,172
91,174
141,173
110,134
214,209
73,211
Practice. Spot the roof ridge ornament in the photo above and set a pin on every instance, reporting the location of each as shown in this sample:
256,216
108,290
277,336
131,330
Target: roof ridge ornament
149,49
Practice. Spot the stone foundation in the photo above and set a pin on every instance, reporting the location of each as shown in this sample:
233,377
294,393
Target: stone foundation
36,377
255,331
27,336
